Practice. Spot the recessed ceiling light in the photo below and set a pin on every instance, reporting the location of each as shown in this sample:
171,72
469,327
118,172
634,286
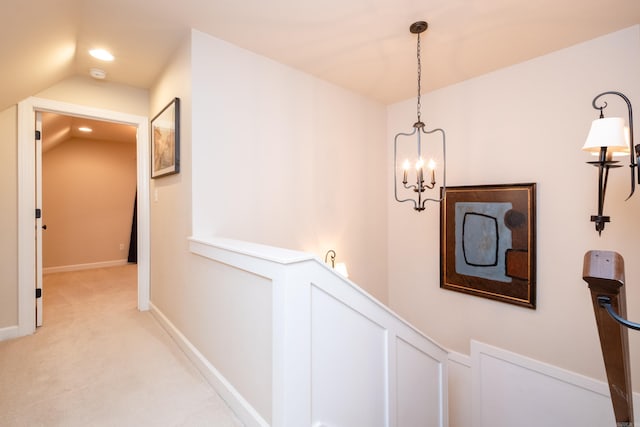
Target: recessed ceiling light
101,54
85,129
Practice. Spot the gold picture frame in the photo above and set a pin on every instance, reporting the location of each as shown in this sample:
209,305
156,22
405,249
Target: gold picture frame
488,242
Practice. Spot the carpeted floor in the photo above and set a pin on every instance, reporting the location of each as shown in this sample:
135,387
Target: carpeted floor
98,361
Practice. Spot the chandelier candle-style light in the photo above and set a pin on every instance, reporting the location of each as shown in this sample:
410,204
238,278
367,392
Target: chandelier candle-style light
415,180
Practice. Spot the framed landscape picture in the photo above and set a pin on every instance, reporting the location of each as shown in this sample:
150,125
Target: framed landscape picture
165,140
488,242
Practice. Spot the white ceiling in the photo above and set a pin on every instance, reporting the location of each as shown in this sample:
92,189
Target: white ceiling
362,45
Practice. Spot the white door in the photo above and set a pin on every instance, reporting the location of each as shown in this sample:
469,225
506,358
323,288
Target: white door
39,226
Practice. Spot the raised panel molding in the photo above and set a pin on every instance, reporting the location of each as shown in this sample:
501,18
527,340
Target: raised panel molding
509,389
418,395
348,365
339,356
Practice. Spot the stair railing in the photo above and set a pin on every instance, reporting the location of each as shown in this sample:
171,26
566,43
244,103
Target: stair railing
604,272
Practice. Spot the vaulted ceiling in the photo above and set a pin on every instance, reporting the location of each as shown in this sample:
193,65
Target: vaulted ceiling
362,45
57,129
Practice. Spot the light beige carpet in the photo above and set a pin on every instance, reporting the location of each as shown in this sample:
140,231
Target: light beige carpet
98,361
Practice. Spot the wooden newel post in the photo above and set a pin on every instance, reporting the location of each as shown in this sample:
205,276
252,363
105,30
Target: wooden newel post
604,272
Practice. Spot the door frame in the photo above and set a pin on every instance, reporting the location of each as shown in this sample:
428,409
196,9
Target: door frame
27,204
38,176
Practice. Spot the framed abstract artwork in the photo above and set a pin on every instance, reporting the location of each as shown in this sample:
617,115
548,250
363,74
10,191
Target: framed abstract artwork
488,242
165,140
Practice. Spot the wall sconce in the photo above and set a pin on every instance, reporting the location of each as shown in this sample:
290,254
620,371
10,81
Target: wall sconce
340,267
607,138
418,176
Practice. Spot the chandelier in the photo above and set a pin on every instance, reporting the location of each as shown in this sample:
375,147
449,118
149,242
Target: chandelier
416,174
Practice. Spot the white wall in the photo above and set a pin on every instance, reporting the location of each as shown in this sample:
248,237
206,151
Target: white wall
282,158
526,123
83,90
171,199
225,317
270,155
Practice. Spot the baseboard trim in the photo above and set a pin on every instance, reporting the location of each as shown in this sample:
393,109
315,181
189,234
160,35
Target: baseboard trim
243,410
89,266
8,333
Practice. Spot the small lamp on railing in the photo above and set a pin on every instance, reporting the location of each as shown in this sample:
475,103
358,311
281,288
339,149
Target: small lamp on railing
607,138
340,267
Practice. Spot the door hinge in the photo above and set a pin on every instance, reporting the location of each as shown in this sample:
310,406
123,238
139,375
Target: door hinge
38,293
38,135
38,213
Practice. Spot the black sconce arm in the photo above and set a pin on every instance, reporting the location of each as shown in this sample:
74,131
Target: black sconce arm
605,302
634,155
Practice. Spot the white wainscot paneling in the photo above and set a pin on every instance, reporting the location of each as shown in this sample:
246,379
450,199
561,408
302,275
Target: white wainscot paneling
418,395
340,358
348,365
511,390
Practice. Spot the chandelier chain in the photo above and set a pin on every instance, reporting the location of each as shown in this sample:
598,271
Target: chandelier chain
419,76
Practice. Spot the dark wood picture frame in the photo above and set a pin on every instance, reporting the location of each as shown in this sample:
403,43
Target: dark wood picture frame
488,242
165,140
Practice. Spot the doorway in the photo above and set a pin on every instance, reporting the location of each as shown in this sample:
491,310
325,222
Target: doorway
28,273
88,192
88,178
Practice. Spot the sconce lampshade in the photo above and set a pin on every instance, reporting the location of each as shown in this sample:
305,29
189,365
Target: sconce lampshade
607,132
341,268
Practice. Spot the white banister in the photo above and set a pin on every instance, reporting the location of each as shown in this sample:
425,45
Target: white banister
339,356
